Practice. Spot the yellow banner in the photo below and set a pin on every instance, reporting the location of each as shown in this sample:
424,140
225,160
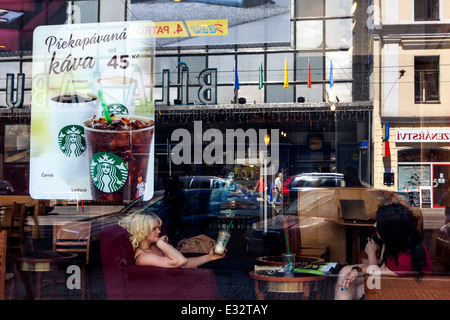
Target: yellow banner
171,29
216,27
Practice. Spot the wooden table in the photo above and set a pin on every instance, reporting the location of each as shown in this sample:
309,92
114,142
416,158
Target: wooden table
278,260
39,262
277,282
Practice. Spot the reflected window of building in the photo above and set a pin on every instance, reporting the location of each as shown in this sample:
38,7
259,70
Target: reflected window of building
17,143
307,8
426,79
312,38
339,34
338,8
426,10
413,176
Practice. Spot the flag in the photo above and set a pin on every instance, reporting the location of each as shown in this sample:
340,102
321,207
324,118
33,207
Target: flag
331,74
261,77
236,78
308,80
286,77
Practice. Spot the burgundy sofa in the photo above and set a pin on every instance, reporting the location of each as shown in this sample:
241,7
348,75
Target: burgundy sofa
126,281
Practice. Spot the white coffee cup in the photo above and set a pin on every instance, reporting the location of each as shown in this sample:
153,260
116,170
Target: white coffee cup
118,90
68,111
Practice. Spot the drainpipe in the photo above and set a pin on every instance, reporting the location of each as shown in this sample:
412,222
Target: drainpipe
380,64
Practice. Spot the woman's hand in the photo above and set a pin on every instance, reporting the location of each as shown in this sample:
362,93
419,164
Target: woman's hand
162,239
350,278
215,256
371,247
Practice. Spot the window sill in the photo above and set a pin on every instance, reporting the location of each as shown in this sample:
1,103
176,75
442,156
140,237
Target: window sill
428,102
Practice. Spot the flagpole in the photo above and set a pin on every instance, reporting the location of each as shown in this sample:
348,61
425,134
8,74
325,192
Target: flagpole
236,82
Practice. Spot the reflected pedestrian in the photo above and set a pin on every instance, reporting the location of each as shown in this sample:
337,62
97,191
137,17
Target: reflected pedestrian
173,204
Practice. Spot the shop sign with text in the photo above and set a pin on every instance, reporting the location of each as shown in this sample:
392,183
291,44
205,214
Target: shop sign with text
423,135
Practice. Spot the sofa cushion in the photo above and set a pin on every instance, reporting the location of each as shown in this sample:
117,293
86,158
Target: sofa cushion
153,283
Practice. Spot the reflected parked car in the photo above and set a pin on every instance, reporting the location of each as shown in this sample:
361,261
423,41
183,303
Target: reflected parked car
293,184
6,187
207,182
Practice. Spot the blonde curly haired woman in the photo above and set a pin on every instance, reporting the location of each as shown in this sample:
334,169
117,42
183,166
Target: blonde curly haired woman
152,249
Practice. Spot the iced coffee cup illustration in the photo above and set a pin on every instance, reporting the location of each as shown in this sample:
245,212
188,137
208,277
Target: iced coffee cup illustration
119,93
118,152
68,111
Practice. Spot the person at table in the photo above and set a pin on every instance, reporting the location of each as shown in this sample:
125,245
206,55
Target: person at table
402,252
153,249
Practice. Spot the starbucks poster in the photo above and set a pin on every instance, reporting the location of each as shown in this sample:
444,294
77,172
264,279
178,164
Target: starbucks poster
92,116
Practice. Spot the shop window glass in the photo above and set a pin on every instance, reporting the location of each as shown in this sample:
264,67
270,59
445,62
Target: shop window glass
342,65
248,67
413,176
8,67
309,35
316,59
276,65
277,94
193,92
27,70
85,11
195,64
225,94
162,63
224,65
424,155
343,91
338,8
3,99
426,10
17,143
308,8
339,33
426,79
251,94
315,94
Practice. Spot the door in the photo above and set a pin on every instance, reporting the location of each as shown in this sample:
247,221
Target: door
441,176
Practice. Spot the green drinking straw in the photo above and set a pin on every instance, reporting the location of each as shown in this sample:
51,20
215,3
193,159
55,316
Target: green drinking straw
287,244
229,225
288,251
105,108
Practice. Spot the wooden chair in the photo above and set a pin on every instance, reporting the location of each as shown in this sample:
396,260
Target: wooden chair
16,232
74,237
4,279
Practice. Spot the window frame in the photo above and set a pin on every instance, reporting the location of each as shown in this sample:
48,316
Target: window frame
425,6
418,88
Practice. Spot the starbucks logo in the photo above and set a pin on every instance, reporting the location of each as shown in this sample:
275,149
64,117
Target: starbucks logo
109,172
117,109
71,140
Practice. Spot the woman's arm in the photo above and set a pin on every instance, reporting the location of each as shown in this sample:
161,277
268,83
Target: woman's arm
194,262
172,257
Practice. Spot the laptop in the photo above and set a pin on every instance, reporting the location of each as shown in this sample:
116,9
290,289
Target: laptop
354,210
